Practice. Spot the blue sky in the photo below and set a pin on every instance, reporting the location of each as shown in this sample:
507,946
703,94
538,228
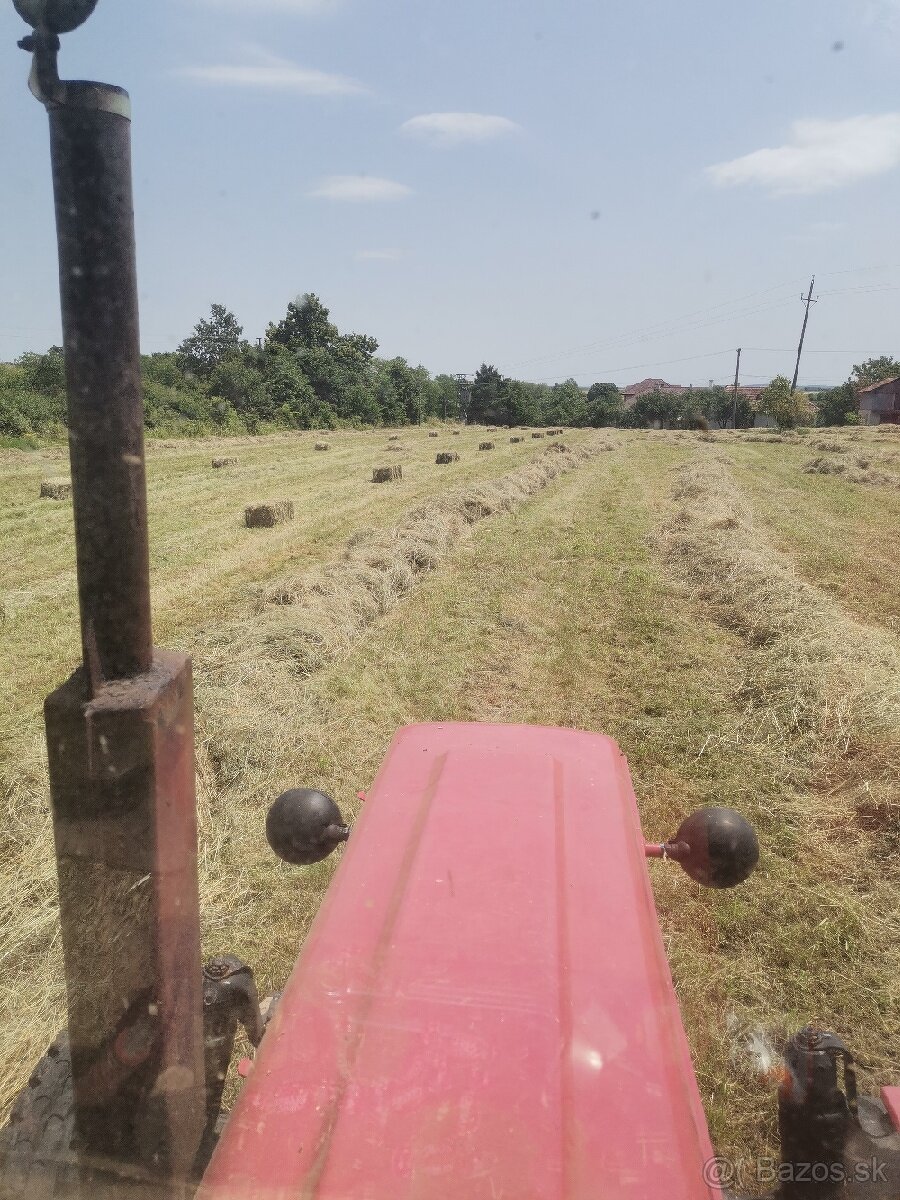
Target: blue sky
608,189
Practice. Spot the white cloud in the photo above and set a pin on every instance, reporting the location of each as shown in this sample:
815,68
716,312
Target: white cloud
451,129
360,188
819,156
389,255
277,75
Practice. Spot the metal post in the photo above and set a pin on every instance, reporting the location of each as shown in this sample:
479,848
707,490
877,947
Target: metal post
737,371
120,730
90,138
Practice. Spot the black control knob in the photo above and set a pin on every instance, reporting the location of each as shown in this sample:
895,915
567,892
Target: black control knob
303,826
716,846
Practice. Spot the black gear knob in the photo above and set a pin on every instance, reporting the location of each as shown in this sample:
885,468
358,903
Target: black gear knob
303,826
55,16
716,846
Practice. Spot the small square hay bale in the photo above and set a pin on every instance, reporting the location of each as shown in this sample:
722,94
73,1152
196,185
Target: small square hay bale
386,474
323,446
447,457
432,433
516,439
264,516
224,462
537,434
56,489
393,437
456,433
485,445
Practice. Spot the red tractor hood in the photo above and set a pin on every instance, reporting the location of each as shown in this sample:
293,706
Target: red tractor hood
483,1009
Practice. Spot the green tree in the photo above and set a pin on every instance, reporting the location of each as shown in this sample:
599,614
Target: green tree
786,410
665,407
305,326
164,368
339,367
443,398
519,404
210,343
717,404
838,406
485,403
873,370
33,394
290,398
604,405
44,372
241,383
566,404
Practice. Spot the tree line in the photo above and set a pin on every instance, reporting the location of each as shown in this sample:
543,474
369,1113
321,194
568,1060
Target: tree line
306,374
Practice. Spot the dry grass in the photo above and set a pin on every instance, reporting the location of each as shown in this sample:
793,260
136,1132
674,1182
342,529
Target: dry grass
208,573
820,699
676,622
859,470
835,535
839,676
301,622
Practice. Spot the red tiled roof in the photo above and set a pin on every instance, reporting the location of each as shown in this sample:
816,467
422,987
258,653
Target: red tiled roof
652,385
873,387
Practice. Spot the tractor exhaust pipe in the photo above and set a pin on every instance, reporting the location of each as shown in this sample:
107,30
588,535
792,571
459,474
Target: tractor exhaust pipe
120,730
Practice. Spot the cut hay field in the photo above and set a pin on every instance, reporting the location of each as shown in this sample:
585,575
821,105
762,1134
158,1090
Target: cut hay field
728,615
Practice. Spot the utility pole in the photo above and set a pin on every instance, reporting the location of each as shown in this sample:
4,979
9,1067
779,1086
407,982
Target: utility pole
462,396
808,300
737,371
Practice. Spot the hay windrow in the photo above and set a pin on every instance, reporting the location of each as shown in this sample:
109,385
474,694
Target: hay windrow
822,690
819,699
859,470
304,622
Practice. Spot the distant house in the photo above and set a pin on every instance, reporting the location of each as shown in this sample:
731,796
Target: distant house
632,394
879,403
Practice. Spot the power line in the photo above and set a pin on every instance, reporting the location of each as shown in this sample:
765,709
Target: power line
640,366
659,327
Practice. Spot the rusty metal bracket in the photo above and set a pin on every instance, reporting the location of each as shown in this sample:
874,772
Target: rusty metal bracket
229,999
